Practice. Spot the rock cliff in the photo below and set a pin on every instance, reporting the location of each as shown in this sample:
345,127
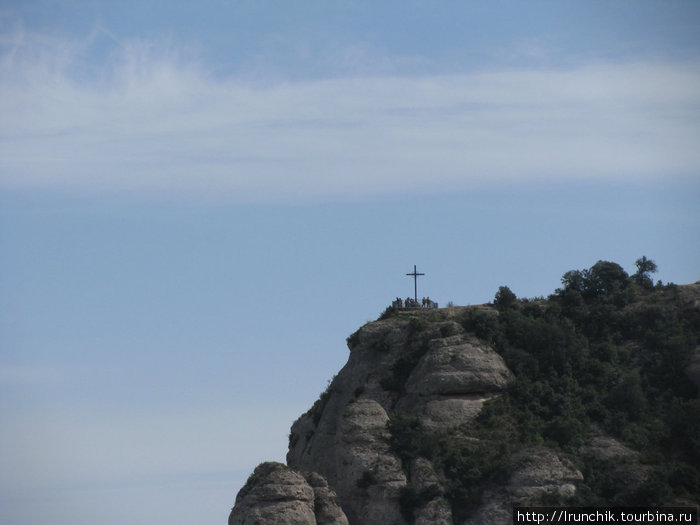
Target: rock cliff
421,364
396,437
277,494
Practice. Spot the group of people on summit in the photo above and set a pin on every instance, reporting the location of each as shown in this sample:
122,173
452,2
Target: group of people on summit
410,302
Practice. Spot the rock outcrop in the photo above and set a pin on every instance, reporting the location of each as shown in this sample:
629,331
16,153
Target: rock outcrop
618,462
541,474
423,365
423,368
368,474
278,495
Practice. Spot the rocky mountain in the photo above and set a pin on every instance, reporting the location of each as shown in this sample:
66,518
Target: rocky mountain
453,415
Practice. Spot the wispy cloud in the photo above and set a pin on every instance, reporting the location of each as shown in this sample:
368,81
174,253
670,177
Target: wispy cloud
149,120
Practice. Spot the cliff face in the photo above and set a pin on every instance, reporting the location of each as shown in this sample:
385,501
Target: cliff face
397,438
423,365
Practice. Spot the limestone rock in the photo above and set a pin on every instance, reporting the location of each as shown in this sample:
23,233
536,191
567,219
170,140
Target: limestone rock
278,495
369,473
422,364
446,375
436,511
542,472
441,412
616,460
423,474
374,349
495,509
604,448
454,366
326,507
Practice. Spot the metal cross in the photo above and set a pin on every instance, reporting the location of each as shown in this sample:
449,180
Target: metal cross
415,275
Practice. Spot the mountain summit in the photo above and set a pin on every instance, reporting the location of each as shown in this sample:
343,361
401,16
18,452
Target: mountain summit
454,415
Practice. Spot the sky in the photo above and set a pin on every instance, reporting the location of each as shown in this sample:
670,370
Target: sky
200,201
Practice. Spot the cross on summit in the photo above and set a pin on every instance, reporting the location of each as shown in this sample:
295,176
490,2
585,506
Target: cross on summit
415,275
411,303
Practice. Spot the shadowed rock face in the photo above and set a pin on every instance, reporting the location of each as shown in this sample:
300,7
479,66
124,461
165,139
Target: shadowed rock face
692,370
423,365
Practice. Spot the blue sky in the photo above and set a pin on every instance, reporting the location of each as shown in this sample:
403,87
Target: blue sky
199,202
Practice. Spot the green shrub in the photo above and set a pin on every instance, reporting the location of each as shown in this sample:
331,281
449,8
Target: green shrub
411,498
388,313
467,465
448,330
484,325
609,349
416,324
367,479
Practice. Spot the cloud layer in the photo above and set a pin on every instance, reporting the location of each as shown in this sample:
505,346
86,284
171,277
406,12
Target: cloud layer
148,120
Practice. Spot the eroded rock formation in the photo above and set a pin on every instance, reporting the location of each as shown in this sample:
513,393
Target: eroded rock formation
278,495
351,461
423,365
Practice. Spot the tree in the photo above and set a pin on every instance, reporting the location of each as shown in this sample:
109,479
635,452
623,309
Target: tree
504,298
573,280
644,268
604,277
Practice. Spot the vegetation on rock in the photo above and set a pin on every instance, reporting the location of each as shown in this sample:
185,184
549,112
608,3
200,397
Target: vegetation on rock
586,397
606,352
